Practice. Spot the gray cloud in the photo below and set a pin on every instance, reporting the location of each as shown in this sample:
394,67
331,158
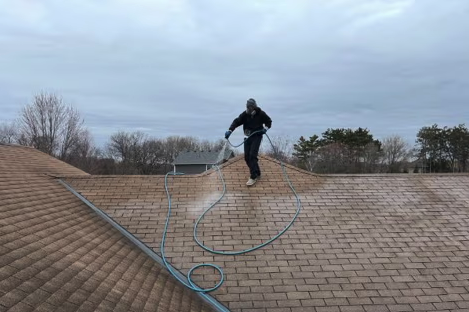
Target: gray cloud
187,67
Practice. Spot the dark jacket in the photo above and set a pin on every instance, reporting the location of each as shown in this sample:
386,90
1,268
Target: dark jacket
252,123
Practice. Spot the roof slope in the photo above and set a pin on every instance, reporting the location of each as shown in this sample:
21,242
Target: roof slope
361,242
58,254
17,159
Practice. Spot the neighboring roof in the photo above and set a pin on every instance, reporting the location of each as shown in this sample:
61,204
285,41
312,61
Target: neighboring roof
56,254
203,157
392,242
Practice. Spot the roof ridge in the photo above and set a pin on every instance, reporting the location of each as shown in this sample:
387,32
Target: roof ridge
341,175
224,165
268,158
17,145
37,161
393,175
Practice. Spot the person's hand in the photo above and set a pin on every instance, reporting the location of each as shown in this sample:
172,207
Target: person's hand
227,134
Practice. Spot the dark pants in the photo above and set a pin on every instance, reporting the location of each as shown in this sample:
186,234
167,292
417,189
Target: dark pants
251,150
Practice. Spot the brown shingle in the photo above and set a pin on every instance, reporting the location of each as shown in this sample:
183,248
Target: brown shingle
361,242
369,240
59,254
17,160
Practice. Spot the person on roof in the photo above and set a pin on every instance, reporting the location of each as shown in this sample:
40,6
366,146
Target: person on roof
253,119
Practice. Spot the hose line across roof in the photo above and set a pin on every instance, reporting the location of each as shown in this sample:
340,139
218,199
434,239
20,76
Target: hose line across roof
191,284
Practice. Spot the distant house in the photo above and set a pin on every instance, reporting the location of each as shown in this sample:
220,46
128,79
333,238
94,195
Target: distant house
194,162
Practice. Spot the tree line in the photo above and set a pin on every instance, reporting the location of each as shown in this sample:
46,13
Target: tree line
436,149
56,128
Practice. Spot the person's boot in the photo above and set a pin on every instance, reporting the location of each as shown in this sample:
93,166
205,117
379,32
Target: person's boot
251,181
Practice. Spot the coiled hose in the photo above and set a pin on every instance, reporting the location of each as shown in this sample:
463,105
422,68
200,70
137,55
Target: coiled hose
191,284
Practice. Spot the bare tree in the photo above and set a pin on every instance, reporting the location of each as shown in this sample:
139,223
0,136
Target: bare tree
73,136
282,148
9,132
84,154
396,151
175,144
151,158
123,145
207,145
50,125
137,153
126,149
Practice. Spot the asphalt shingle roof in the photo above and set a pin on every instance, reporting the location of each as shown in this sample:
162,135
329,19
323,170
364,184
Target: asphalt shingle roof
17,160
56,254
361,243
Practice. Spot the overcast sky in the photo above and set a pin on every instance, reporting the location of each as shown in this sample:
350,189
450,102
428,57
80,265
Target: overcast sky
187,67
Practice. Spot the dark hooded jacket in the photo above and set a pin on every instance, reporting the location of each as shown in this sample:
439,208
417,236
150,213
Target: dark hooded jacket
252,123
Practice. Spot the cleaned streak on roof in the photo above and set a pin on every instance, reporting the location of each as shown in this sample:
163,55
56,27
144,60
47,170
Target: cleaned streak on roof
361,242
57,254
